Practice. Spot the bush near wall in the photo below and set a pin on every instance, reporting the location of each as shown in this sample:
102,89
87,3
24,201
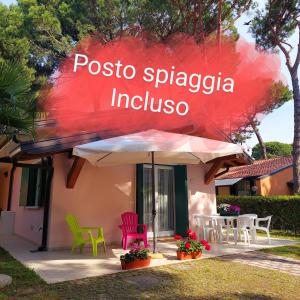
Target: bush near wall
284,209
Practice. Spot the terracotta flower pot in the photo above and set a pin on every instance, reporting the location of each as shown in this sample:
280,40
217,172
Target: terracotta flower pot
138,263
184,255
196,254
192,255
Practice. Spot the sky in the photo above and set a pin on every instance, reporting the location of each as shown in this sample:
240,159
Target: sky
279,125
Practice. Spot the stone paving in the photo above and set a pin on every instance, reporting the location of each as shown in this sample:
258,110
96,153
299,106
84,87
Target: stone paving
60,265
266,261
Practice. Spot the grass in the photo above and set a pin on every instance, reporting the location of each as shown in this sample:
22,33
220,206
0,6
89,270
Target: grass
201,279
292,251
281,234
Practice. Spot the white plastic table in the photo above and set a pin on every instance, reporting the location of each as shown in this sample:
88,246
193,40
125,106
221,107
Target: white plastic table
229,223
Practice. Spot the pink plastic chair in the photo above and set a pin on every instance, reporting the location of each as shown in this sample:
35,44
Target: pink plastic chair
130,229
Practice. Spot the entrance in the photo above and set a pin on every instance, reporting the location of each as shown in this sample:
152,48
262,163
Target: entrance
165,199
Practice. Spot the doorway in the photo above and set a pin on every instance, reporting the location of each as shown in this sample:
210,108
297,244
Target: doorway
165,199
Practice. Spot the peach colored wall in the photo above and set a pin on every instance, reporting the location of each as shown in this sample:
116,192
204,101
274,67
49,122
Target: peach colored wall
28,221
275,184
201,196
98,199
4,185
102,194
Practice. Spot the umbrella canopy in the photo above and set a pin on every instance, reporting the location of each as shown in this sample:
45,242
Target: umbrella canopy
169,148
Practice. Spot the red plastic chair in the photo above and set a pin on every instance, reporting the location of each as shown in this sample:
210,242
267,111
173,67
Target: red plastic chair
130,229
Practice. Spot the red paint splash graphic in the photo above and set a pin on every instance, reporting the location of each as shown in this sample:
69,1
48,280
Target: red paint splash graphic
134,84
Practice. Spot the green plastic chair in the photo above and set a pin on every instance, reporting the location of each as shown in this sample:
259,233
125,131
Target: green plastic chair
79,233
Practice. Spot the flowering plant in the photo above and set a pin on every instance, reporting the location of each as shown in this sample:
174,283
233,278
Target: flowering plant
190,243
229,208
135,252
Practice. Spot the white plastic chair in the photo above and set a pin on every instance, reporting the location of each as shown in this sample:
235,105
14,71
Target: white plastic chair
245,224
206,225
253,230
265,229
222,226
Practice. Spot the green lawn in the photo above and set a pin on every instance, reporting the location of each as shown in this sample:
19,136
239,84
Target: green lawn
283,235
292,251
201,279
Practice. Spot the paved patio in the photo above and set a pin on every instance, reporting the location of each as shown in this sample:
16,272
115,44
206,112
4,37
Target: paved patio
58,266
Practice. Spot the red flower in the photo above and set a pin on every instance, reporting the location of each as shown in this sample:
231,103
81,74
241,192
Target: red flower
193,236
187,245
204,242
189,231
177,237
207,247
131,244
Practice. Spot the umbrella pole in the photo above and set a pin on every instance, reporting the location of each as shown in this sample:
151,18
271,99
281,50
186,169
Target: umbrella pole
153,202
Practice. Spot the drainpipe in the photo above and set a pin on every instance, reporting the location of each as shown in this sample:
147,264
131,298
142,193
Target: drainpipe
11,182
44,243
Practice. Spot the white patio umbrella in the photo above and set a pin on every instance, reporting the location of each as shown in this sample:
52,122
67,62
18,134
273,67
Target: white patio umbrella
154,147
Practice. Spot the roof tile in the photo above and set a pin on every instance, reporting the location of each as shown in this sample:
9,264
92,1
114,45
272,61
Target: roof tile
258,168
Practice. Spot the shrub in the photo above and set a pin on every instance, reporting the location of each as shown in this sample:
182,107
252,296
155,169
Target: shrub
284,209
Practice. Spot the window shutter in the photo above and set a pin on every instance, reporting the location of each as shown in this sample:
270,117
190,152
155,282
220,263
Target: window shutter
32,187
24,187
181,200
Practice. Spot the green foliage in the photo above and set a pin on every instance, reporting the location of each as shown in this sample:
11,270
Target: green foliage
135,253
193,246
46,31
274,149
284,209
17,102
14,46
278,94
276,23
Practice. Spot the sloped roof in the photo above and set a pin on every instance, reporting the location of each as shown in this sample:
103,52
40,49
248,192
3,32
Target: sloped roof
258,168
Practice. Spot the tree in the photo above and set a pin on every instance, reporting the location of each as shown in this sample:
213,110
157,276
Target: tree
278,94
272,28
54,27
273,149
14,46
17,102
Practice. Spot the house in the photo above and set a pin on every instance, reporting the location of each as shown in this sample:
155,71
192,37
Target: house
264,177
41,181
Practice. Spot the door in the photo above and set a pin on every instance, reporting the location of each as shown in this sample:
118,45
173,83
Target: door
164,194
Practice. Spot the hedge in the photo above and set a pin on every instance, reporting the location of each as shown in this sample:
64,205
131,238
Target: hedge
284,209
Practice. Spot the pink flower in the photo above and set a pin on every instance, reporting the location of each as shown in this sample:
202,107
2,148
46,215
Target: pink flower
187,245
177,237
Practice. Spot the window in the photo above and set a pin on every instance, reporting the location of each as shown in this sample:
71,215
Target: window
32,187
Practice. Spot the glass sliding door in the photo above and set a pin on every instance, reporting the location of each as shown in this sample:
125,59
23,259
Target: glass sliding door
164,193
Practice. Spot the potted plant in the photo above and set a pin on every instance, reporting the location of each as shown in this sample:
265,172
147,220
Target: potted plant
229,209
189,247
137,257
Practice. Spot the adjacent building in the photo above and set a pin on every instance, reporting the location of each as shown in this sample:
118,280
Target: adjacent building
264,177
